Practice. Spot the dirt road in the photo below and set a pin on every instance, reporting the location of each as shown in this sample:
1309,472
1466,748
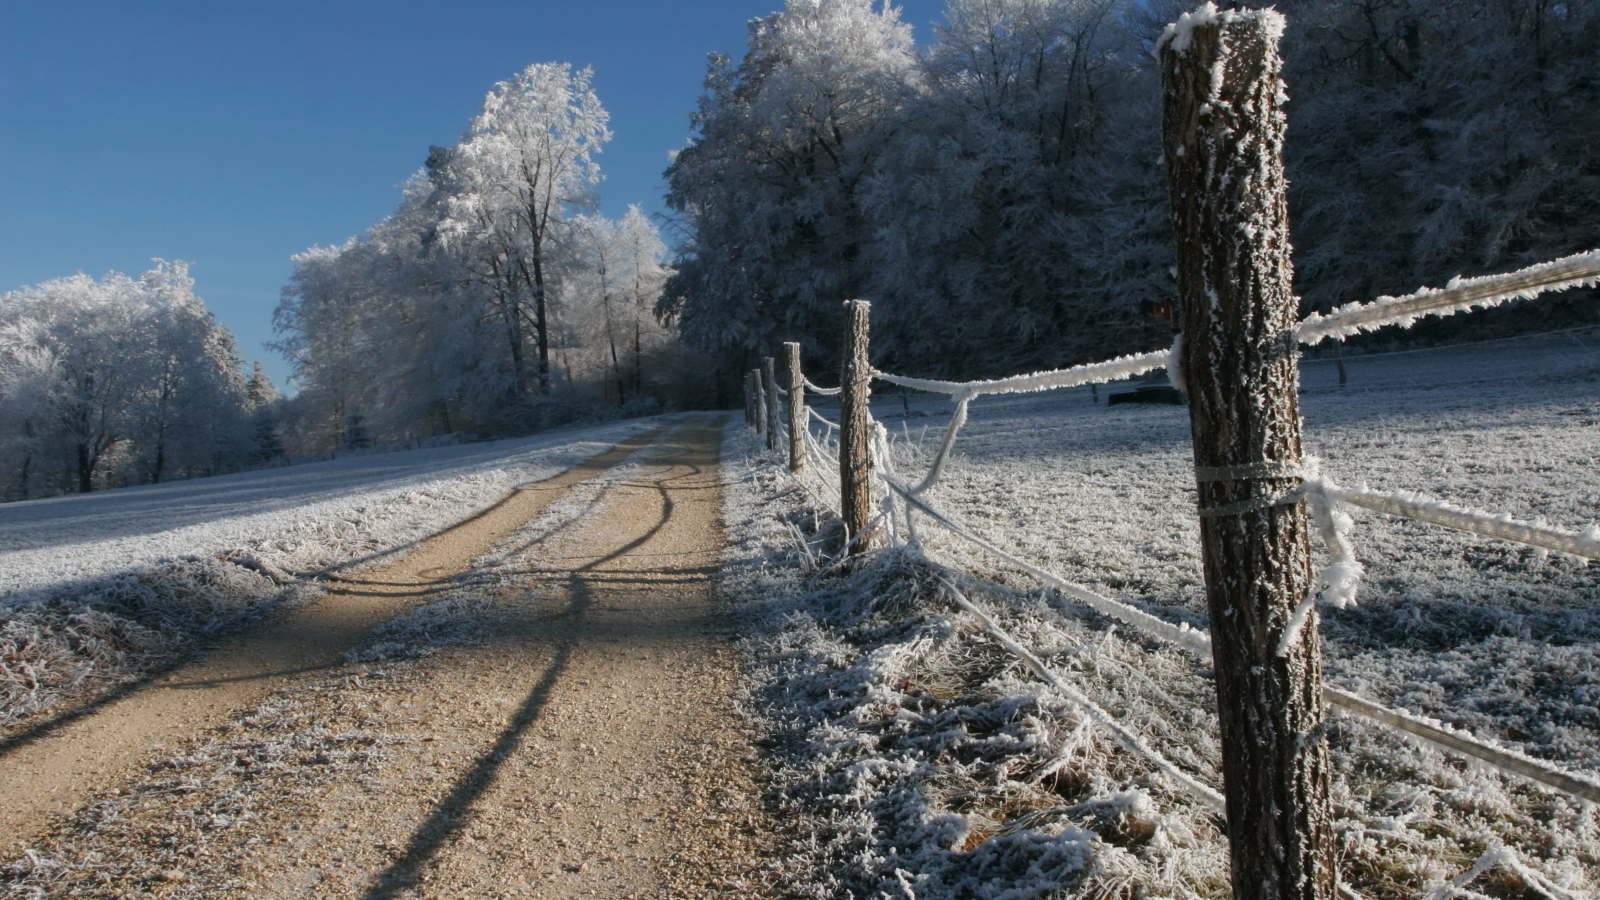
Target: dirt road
555,720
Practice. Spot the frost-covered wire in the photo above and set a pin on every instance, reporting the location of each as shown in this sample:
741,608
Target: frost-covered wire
1499,856
826,392
1337,581
1092,373
1459,295
1508,762
1411,505
820,418
1181,634
1093,711
1431,731
820,463
957,419
880,442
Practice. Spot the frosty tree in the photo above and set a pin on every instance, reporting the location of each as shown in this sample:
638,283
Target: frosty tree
117,380
769,189
513,185
494,300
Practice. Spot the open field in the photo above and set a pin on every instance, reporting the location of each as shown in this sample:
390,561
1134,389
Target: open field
983,782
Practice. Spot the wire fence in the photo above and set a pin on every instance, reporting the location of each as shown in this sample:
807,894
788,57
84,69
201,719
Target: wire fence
1260,500
899,504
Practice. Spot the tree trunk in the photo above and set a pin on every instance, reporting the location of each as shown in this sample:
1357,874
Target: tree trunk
855,430
1223,146
541,323
616,364
85,469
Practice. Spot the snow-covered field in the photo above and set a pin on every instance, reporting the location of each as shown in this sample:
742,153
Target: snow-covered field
95,589
936,766
47,543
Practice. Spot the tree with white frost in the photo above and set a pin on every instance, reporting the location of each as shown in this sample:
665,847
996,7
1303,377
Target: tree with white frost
641,254
512,188
117,380
769,188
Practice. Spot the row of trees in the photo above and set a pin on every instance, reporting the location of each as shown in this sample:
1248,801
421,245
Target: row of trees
123,381
495,299
997,194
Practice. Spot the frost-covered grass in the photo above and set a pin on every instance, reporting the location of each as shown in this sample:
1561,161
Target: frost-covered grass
934,765
98,589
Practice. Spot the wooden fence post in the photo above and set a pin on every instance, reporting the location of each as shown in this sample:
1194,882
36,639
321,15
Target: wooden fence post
855,430
750,392
761,401
1223,144
797,407
769,370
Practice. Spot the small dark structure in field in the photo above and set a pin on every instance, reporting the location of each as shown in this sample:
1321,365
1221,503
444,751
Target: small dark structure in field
1149,392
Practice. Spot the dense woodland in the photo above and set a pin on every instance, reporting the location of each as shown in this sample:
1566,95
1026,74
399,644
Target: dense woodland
995,190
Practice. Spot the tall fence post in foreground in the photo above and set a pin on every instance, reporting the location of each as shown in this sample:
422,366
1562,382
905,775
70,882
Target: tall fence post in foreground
1224,160
761,401
797,407
855,430
769,370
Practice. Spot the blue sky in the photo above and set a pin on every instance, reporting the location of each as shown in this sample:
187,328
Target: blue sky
234,135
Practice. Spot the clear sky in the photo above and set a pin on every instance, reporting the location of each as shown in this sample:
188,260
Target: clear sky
235,134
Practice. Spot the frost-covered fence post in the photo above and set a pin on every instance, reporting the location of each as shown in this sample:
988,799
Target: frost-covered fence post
769,370
761,401
1222,127
797,407
855,430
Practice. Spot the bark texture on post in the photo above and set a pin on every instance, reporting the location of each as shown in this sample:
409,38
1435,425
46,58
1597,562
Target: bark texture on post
761,401
855,429
769,369
1223,143
797,407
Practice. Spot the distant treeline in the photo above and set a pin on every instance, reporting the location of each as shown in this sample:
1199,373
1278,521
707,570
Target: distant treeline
998,193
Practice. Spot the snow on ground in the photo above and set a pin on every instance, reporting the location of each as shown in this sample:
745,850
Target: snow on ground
51,542
933,765
97,589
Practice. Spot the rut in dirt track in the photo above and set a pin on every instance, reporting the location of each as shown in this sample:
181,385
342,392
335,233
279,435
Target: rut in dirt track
587,743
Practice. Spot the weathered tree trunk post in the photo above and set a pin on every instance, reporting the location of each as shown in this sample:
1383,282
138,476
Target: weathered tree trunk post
1223,142
750,396
769,371
761,401
855,430
797,407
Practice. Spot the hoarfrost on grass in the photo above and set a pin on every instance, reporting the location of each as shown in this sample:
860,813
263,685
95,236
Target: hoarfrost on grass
1476,635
